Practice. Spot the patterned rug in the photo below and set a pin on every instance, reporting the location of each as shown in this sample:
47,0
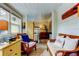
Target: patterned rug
41,51
38,52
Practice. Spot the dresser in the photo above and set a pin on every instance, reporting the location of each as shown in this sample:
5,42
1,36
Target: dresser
12,49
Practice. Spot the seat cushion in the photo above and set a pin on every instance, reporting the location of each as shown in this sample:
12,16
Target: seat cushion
70,44
31,44
59,42
53,48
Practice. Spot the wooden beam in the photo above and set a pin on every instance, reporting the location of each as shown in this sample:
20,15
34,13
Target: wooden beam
71,11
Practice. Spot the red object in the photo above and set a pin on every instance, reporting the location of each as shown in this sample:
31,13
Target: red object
70,12
26,49
44,35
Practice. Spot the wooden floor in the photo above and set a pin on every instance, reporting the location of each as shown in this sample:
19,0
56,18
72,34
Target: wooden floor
44,41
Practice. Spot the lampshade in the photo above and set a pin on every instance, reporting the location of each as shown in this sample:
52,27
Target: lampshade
42,26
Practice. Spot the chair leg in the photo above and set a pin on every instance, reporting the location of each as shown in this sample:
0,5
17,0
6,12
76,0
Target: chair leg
47,48
35,47
27,54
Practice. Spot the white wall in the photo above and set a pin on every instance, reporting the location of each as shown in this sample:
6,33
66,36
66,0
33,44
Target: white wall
71,24
54,24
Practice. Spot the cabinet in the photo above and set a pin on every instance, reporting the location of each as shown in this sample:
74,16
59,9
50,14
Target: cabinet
13,49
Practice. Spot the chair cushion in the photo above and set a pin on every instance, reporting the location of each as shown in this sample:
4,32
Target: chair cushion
25,38
31,44
53,48
70,44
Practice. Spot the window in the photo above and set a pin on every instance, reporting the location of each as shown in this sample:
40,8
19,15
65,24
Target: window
15,24
4,19
9,23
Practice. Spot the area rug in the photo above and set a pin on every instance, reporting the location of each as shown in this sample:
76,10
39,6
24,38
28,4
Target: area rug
38,52
41,51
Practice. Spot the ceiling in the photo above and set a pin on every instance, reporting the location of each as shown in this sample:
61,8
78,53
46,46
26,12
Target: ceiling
33,10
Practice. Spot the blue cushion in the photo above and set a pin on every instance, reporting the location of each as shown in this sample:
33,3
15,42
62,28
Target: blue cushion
25,38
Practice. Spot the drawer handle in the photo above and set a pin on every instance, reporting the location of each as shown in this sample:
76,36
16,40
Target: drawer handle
10,49
15,53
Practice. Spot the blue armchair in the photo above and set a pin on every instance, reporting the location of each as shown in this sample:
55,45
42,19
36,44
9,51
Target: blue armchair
25,38
26,44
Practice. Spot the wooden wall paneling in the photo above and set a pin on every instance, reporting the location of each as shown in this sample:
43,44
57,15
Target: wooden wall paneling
30,29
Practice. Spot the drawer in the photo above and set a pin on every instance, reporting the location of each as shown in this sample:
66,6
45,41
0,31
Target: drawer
12,49
17,46
1,53
17,53
8,50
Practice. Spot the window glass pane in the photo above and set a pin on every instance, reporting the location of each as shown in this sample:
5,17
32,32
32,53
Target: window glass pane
18,21
4,15
15,28
16,24
15,20
3,32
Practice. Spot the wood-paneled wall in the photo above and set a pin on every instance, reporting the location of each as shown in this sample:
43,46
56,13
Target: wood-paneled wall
30,29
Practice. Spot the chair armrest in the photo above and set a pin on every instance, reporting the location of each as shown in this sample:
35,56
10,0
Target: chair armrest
52,40
66,51
31,39
60,53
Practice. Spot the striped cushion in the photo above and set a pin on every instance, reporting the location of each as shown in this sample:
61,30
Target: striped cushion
59,42
70,44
